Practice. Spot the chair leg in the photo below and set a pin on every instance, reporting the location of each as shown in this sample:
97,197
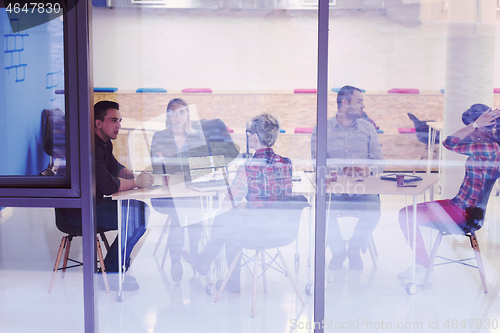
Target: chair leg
292,279
58,260
373,252
103,268
480,267
432,257
104,240
165,229
254,292
66,255
263,264
228,274
164,255
163,232
372,242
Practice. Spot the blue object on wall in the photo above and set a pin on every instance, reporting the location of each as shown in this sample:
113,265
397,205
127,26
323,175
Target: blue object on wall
338,89
22,101
151,90
110,90
99,3
13,48
52,81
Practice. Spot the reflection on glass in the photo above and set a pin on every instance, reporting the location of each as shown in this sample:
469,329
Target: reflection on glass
417,76
32,131
353,154
219,70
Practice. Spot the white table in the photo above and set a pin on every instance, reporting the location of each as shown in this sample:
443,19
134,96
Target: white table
176,188
371,185
375,185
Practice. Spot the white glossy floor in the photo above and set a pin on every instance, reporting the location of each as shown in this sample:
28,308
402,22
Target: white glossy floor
354,301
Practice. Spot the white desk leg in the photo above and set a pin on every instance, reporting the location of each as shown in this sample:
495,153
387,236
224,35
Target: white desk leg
126,235
414,237
120,272
411,287
430,151
310,246
440,158
310,257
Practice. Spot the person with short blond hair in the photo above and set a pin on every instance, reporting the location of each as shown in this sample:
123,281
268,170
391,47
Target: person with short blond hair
264,178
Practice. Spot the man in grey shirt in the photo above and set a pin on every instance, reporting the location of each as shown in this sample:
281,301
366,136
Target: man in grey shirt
353,149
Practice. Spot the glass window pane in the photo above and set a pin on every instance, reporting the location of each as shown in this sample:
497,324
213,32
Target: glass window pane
225,63
32,107
29,245
418,65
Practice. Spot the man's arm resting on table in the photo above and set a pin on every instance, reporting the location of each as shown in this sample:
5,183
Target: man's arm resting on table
128,182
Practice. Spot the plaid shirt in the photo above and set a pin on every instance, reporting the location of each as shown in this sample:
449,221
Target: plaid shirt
106,169
266,177
481,166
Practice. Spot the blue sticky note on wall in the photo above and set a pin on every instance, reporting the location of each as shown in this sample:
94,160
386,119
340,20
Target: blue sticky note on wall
151,90
112,90
338,89
99,3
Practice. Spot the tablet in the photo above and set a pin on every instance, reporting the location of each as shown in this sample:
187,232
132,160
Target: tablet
407,179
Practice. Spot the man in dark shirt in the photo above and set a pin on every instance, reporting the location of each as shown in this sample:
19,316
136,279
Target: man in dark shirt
111,177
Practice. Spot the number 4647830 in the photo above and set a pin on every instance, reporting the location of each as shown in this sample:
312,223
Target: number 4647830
34,7
471,324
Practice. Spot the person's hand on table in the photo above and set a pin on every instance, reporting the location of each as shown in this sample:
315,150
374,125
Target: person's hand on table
145,179
357,171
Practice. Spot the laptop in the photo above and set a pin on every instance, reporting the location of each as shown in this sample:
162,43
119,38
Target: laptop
171,168
205,173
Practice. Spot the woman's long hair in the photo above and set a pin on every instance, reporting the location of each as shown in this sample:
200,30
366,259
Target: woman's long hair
187,126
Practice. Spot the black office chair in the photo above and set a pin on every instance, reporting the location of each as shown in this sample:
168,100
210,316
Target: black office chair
422,129
474,223
280,229
219,138
71,232
53,136
422,132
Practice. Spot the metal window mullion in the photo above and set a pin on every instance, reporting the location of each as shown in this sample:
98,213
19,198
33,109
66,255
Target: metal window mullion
85,146
321,127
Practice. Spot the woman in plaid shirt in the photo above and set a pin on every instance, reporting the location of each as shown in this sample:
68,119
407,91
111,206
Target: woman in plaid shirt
478,141
264,178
